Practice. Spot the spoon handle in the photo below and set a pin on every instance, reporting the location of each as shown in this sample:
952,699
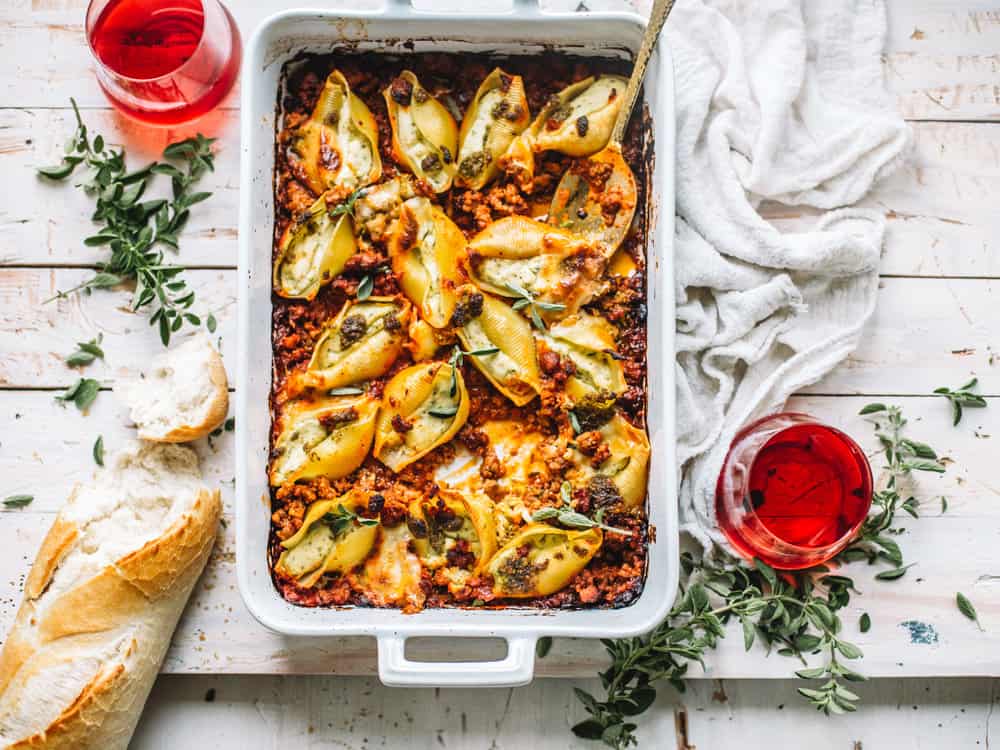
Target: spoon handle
657,16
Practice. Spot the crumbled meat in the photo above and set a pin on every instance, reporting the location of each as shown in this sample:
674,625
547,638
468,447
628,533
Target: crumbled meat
352,329
491,467
401,424
602,492
469,307
336,419
400,90
375,503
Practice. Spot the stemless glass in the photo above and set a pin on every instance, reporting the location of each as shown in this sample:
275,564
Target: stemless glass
163,61
792,492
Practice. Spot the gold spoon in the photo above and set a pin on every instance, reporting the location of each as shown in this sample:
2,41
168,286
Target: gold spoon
576,205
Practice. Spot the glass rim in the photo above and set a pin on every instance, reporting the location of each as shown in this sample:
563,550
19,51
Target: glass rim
91,20
794,549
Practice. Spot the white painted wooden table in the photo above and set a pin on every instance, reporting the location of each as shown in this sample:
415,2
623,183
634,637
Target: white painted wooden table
938,322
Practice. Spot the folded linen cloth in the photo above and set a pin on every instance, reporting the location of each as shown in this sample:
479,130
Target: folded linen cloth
779,100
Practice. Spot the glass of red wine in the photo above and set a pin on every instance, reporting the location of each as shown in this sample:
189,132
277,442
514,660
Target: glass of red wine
792,492
164,61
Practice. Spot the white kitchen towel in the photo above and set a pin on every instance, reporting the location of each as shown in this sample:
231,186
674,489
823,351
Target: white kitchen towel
777,100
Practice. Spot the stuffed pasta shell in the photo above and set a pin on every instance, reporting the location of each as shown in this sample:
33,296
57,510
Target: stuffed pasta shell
427,252
423,406
450,530
338,145
624,470
496,115
333,538
424,134
576,121
328,438
502,346
541,560
360,344
516,254
312,251
589,342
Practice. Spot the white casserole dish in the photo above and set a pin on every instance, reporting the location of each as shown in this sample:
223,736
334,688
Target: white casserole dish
525,29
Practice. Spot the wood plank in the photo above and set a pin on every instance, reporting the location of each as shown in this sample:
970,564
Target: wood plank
277,712
941,60
908,348
45,449
36,337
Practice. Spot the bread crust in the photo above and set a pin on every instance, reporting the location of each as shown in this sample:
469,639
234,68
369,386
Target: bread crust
217,409
130,606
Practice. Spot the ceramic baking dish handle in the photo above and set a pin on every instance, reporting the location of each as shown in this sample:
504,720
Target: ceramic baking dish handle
395,670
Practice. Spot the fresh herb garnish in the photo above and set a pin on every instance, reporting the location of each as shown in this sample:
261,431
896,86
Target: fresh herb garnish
966,608
527,299
345,391
566,516
961,397
865,622
18,501
542,646
210,323
342,519
86,352
574,422
99,450
82,393
135,230
484,352
796,612
230,424
347,206
365,287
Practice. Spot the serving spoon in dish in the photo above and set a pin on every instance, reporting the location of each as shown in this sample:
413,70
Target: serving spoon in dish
596,197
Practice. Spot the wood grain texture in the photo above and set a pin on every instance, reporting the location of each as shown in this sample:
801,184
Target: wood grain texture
264,712
49,450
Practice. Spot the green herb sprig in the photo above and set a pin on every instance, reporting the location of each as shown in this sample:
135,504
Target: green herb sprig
966,608
82,393
565,515
18,501
962,397
527,299
134,230
341,519
795,613
86,352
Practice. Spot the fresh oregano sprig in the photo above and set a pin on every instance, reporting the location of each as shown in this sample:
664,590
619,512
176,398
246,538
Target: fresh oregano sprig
86,352
794,612
961,397
134,230
342,518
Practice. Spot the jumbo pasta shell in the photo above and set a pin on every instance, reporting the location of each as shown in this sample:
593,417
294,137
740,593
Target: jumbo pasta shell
452,523
541,560
497,114
360,344
423,407
338,145
589,342
313,251
329,438
578,120
427,252
514,368
321,546
628,465
516,253
424,134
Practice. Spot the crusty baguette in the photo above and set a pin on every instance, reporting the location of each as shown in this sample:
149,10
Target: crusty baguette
183,397
102,600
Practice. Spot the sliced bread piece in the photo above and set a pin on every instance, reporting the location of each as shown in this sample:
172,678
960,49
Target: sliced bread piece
183,397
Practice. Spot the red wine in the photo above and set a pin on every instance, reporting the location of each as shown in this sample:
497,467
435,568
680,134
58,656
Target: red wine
165,61
801,491
148,38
